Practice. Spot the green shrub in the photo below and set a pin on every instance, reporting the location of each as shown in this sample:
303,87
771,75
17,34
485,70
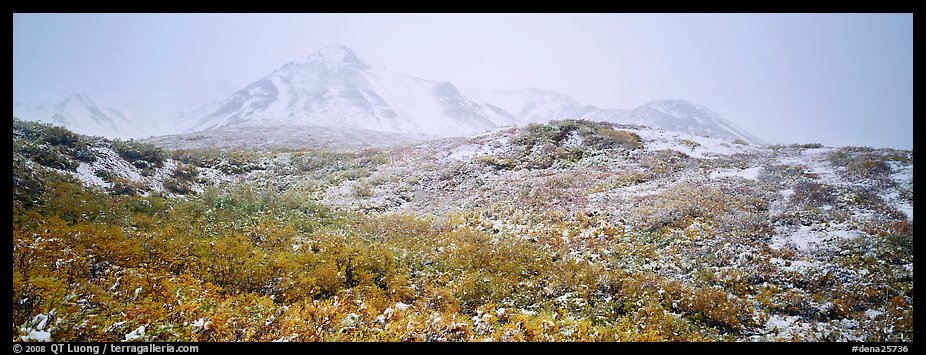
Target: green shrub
540,146
868,166
141,154
178,186
241,162
48,156
60,136
205,158
51,146
184,172
555,132
536,134
840,157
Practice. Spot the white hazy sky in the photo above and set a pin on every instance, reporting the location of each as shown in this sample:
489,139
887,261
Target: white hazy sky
838,79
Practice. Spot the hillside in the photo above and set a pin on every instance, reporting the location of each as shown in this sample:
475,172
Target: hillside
570,230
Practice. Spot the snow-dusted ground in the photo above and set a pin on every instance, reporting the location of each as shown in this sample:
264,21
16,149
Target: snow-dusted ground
710,194
108,162
706,148
902,175
449,176
286,138
749,174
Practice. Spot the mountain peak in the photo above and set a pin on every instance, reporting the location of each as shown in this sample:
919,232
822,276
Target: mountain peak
679,108
684,116
673,103
336,56
78,97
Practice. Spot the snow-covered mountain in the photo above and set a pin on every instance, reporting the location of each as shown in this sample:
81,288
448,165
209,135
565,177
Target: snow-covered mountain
80,114
121,111
535,105
334,88
156,109
684,116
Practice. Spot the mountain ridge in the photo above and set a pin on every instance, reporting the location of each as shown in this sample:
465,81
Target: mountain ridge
333,87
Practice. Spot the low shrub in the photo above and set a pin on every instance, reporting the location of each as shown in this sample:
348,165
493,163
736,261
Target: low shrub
496,162
122,186
607,138
178,185
690,143
814,194
47,155
184,172
807,146
868,166
141,154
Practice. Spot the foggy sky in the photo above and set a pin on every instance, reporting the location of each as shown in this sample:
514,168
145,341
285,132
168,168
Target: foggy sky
837,79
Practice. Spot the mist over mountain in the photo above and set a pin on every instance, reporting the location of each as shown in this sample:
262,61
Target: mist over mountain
334,88
123,111
684,116
81,114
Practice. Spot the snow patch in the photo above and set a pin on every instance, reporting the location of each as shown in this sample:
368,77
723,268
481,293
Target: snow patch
784,326
136,334
899,203
749,174
872,314
799,266
809,239
464,153
200,323
87,176
40,320
707,148
37,332
37,335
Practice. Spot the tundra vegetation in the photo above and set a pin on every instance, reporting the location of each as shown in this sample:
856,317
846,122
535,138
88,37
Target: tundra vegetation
567,231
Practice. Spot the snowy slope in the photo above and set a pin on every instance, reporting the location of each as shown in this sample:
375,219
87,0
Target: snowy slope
81,114
156,109
535,105
121,111
334,88
540,106
684,116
